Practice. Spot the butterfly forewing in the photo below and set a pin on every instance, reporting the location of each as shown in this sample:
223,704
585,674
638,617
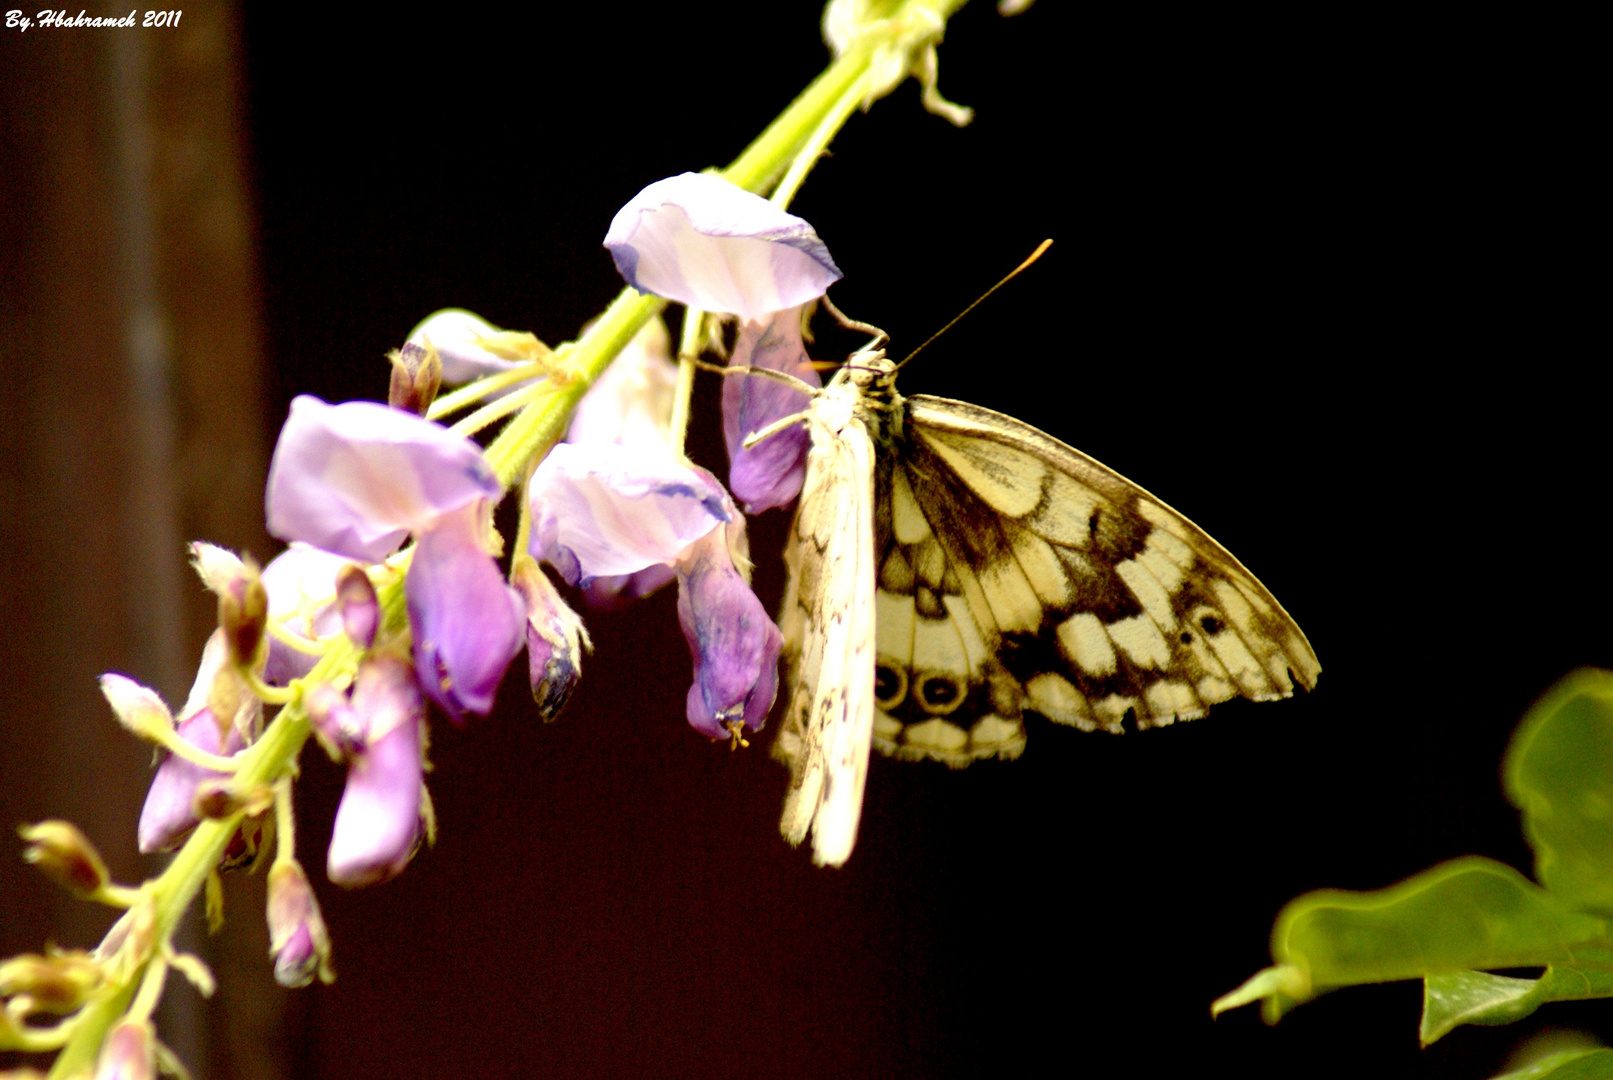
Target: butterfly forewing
828,624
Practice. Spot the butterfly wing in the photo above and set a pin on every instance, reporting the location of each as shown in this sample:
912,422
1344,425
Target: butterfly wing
1018,573
828,624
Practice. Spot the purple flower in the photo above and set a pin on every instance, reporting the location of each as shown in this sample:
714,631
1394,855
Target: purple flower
298,940
770,473
606,510
356,479
468,625
378,823
734,644
169,812
705,242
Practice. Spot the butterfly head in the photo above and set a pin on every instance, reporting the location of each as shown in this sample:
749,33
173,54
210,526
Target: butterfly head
870,371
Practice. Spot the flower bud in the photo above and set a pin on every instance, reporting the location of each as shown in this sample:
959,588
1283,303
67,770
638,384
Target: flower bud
555,638
138,708
218,567
471,347
129,943
298,940
60,850
56,984
359,606
243,615
129,1053
222,798
416,377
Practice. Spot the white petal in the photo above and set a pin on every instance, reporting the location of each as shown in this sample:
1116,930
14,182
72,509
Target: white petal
703,241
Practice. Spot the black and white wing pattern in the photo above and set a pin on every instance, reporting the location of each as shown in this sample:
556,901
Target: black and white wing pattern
952,568
828,625
1016,573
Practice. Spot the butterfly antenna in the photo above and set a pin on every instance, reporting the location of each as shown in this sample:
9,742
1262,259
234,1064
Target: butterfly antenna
1037,254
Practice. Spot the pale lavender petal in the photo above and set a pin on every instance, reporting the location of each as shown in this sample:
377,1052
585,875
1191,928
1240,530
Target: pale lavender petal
356,478
169,812
705,242
301,583
734,644
632,401
457,336
378,822
770,473
468,625
604,510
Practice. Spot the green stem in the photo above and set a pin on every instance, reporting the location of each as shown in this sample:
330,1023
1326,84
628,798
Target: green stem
764,159
818,140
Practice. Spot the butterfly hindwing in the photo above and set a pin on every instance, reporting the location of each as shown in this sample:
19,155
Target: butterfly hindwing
828,624
940,690
1097,599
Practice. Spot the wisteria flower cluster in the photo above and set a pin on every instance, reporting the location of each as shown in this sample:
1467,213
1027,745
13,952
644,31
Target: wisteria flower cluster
396,593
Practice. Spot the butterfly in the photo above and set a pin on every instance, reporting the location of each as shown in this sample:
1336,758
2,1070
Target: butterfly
952,568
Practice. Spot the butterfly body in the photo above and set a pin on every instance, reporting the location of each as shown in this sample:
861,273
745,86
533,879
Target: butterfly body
952,568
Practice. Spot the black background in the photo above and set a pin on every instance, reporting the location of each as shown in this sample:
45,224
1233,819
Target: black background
1315,283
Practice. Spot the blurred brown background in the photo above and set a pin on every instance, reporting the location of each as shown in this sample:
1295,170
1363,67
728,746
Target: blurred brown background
1315,283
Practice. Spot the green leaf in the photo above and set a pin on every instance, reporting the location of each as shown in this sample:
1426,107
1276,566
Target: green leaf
1476,997
1467,914
1559,772
1567,1065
